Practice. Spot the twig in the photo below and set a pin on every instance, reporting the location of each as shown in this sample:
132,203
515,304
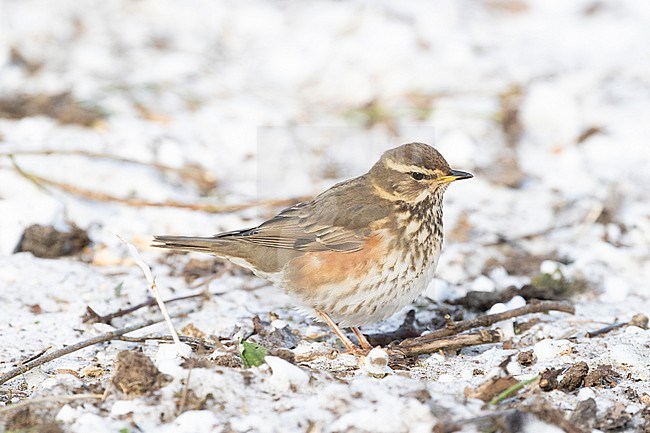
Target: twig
28,176
92,316
73,348
198,174
605,329
409,347
516,387
490,319
41,182
154,289
38,355
640,320
196,342
50,399
454,328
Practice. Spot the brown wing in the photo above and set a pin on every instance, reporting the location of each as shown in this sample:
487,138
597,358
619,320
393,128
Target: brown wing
339,219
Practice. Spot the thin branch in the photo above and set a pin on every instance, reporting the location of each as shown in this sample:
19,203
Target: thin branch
50,399
640,320
413,348
33,357
197,174
154,290
73,348
30,177
41,182
455,328
92,316
605,329
196,342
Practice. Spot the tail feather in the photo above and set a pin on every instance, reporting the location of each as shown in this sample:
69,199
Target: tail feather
209,245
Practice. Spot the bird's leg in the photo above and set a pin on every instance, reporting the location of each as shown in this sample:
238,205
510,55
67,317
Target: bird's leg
349,345
363,341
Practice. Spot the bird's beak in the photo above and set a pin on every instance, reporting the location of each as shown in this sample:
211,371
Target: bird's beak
455,175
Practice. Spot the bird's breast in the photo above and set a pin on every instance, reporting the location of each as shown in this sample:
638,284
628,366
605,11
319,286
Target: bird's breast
394,266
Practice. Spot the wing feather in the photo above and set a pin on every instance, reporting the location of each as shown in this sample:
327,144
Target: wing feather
336,220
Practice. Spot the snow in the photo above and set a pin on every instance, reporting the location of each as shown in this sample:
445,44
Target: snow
285,375
281,99
549,349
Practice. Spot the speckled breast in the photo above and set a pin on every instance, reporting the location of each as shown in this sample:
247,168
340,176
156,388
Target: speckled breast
392,270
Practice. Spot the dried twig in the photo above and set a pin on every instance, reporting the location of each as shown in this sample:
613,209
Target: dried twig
92,316
413,347
154,290
196,174
41,182
454,328
640,320
605,329
50,399
37,355
73,348
192,341
34,180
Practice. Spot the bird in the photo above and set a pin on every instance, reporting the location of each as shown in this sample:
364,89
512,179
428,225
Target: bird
355,254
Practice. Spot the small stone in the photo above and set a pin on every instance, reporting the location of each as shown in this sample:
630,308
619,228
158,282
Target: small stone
550,349
639,320
526,358
376,363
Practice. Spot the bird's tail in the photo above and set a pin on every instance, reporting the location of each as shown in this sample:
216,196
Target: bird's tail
210,245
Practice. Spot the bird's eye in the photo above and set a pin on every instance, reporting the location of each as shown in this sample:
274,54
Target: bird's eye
417,176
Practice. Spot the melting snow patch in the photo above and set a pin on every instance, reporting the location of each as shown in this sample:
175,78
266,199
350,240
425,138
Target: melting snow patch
285,375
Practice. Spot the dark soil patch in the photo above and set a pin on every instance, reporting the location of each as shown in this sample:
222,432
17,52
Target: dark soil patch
135,374
48,242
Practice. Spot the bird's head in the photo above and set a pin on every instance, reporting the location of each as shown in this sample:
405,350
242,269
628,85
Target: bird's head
412,173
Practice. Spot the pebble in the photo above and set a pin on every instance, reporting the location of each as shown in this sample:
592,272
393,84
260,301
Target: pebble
548,349
376,363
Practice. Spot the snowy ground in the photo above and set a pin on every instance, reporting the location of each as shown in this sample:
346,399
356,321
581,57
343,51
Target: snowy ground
545,102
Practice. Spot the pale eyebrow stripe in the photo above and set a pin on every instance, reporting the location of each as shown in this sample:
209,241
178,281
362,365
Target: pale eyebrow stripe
406,168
